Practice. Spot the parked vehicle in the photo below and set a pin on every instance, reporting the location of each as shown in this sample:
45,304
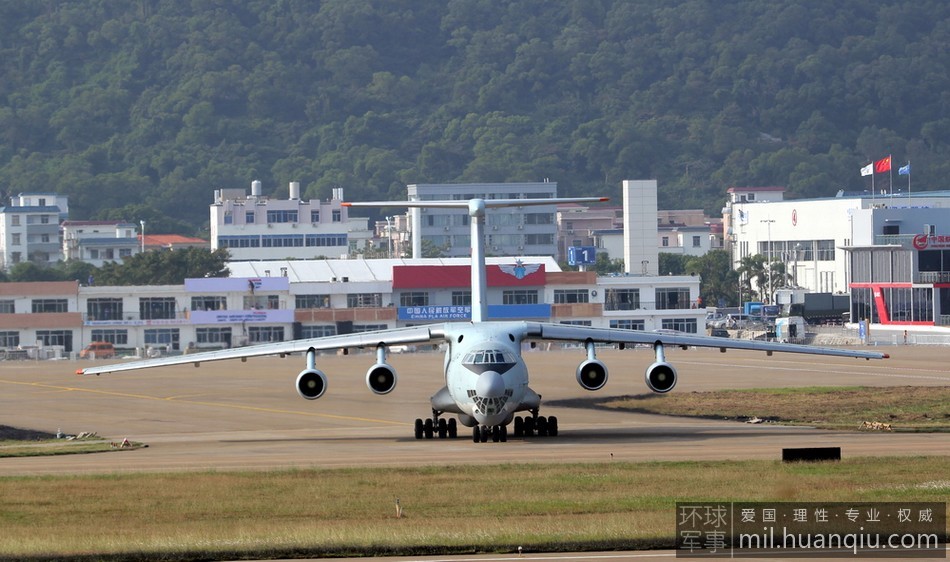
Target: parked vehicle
98,350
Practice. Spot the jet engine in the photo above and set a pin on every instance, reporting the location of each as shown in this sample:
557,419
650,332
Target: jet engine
592,374
381,378
311,384
661,377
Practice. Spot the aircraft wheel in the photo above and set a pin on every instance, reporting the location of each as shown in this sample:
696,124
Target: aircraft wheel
418,428
484,434
519,426
476,434
503,429
542,426
427,428
453,429
443,428
495,434
552,426
528,426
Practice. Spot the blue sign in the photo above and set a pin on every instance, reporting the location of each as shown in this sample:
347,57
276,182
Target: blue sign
581,255
495,312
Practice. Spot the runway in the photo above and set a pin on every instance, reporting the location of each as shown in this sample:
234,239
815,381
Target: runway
234,415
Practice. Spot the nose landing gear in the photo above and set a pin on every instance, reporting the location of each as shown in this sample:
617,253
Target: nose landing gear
481,434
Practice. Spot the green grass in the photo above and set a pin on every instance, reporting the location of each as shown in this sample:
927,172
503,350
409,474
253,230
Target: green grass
221,515
909,408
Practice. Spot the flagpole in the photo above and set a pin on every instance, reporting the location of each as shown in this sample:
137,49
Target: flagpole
890,173
908,179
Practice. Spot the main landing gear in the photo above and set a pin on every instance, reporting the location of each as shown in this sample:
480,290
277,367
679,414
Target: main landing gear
436,426
530,426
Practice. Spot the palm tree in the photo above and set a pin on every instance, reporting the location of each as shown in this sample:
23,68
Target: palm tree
752,268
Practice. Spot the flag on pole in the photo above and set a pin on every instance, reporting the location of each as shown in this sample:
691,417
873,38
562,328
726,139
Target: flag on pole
883,165
743,217
867,170
904,170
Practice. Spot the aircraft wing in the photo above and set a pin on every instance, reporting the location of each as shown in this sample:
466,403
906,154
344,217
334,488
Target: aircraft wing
564,332
397,336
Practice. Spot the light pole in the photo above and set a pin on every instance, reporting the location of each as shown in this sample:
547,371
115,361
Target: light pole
389,236
143,235
768,256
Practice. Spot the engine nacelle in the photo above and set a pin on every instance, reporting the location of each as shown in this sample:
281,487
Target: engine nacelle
381,378
311,384
660,377
592,374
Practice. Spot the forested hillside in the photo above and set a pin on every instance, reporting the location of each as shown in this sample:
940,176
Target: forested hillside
141,108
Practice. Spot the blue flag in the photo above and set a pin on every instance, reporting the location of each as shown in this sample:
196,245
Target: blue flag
904,170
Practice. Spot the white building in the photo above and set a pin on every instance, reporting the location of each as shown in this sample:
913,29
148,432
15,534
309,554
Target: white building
255,227
98,242
810,235
29,229
524,231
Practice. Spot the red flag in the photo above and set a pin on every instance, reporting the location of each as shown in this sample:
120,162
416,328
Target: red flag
883,165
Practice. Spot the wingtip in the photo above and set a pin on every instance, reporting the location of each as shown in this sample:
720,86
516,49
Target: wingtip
79,372
346,204
886,356
605,199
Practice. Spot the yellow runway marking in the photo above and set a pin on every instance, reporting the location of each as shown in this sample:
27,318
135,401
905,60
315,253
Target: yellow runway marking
202,403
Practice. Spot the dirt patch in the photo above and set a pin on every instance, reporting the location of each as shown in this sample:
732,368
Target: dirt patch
8,433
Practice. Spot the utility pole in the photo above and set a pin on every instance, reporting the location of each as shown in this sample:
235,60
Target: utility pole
142,222
768,257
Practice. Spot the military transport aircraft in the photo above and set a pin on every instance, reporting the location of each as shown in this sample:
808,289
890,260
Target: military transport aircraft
485,376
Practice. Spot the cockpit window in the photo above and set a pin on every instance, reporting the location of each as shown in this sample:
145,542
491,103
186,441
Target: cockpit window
488,357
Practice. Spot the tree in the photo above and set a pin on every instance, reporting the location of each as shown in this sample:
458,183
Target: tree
719,282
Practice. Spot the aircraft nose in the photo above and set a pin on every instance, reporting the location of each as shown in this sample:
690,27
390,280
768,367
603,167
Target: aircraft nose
490,385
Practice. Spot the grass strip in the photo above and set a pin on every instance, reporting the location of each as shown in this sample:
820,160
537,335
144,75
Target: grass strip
905,408
457,509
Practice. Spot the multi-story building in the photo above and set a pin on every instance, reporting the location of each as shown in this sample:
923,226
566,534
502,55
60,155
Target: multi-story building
520,231
281,300
98,242
29,229
258,228
851,243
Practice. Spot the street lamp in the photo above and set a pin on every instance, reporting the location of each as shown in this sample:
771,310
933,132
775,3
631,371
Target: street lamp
389,236
768,256
143,235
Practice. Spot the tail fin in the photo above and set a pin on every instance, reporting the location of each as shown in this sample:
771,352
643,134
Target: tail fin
476,210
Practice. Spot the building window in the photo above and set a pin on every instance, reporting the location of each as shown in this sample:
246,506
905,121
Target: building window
665,241
826,250
44,219
357,328
56,337
539,218
228,219
125,252
7,307
571,296
251,241
672,298
576,322
337,215
50,305
209,303
415,298
314,216
281,216
249,217
628,324
282,241
162,337
622,299
325,240
213,335
312,301
461,298
261,302
519,296
9,339
104,309
364,300
113,336
15,220
538,239
15,240
317,331
157,308
697,241
263,334
687,325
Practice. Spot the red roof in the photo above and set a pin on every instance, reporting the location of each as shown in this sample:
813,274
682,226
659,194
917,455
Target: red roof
172,240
